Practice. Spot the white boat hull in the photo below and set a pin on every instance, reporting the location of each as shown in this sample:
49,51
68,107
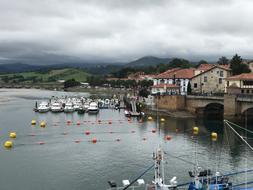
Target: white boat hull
43,110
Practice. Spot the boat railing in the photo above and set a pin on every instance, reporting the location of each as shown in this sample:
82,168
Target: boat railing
131,188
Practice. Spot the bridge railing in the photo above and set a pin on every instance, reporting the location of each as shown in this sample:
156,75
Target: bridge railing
205,97
245,98
207,94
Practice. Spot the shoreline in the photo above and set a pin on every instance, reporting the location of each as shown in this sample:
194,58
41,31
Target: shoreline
180,114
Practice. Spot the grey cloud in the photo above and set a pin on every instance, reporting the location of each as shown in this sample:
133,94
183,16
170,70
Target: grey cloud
116,30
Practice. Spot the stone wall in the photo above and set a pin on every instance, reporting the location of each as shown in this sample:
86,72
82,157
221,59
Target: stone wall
230,105
173,102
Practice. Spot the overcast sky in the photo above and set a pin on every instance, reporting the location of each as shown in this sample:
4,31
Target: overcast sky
48,31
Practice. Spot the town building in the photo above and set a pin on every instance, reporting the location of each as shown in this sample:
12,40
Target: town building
210,79
174,78
165,89
240,84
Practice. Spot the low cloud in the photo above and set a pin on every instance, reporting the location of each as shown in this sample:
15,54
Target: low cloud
113,30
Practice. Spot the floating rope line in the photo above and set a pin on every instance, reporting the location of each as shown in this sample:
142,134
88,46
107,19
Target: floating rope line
239,126
250,147
245,183
143,173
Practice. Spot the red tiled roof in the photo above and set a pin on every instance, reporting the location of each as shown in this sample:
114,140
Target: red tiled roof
177,73
205,67
214,66
166,85
243,76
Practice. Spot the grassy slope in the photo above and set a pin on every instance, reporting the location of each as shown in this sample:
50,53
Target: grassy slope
63,74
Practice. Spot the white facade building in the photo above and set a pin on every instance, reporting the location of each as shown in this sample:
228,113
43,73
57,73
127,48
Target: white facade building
177,77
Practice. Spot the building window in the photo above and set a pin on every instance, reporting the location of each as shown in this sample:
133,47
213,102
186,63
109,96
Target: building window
217,72
205,78
247,83
220,80
227,83
247,91
195,85
242,91
221,74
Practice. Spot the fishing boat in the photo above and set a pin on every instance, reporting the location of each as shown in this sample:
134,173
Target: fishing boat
56,107
86,106
81,110
43,107
127,113
93,108
205,180
159,179
69,108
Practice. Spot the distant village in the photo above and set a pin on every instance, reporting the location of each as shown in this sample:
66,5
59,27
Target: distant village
205,79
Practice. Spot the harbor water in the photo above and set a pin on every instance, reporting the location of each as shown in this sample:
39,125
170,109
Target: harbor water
62,157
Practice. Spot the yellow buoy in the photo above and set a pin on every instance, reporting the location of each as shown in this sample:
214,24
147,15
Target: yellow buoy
8,144
195,130
13,135
214,136
43,124
33,122
162,119
150,118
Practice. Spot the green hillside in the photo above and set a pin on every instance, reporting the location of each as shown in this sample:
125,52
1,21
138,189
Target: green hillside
46,76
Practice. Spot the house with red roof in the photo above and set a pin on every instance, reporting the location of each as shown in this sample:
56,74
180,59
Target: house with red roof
173,81
210,78
240,84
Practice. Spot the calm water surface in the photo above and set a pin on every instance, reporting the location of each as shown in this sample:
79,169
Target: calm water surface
63,164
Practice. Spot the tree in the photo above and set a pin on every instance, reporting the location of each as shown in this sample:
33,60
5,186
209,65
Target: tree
182,63
189,88
237,66
223,61
202,62
5,79
71,83
144,92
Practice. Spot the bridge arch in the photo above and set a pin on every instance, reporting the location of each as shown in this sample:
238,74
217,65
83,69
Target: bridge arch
247,117
213,110
246,108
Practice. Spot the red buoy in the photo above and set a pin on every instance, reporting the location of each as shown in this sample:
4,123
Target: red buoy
68,122
153,130
94,140
41,142
110,122
87,132
78,123
99,121
168,137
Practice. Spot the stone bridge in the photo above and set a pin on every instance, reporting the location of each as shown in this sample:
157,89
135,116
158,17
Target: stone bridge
230,105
